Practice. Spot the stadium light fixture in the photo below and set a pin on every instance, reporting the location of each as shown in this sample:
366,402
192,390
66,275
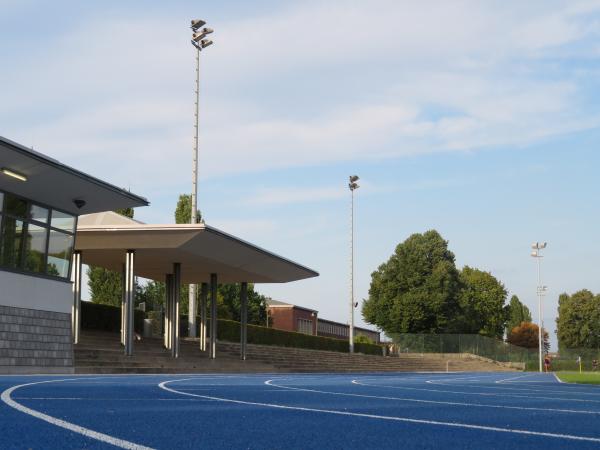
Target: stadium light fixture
197,24
197,37
541,291
353,185
199,33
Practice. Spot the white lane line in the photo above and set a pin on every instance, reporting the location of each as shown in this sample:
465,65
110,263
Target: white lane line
558,379
484,394
163,385
435,402
521,389
504,380
105,399
6,398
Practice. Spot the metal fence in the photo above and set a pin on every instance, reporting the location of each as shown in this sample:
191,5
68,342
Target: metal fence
568,359
475,344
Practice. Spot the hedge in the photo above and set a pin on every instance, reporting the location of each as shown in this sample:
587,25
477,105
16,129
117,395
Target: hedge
229,330
97,316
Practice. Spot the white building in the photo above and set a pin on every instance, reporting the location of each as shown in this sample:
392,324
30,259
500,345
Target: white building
40,200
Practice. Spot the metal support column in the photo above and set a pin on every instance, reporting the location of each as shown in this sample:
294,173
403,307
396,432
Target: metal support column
244,319
167,335
203,298
168,310
129,301
213,316
76,308
123,327
176,294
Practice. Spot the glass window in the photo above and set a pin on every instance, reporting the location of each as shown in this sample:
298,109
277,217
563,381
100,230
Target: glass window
63,221
1,201
35,248
15,206
38,213
12,238
60,249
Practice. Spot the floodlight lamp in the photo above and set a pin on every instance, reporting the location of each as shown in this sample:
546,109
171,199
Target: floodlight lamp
197,37
534,254
197,24
544,245
205,43
354,178
535,245
11,173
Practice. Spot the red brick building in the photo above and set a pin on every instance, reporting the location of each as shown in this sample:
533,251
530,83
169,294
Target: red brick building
288,317
284,316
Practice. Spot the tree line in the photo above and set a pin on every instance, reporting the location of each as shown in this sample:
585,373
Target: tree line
105,285
420,290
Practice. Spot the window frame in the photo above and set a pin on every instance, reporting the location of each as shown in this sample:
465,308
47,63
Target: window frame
47,226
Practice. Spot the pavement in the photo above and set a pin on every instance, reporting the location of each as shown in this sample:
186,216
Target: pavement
322,411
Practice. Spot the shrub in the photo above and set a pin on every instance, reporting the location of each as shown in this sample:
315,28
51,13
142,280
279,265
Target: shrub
97,316
368,349
229,330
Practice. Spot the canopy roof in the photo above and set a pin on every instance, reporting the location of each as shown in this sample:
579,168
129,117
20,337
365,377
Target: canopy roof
103,239
54,184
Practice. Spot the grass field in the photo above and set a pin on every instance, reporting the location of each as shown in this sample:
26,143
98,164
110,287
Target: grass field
583,378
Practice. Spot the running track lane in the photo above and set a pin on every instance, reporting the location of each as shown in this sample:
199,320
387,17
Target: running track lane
298,411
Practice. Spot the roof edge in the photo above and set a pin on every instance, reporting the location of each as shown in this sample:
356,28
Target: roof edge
58,165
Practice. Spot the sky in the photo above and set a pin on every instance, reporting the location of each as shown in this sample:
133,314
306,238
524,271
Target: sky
479,119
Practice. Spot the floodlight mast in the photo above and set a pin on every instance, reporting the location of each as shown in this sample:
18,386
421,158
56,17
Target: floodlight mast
541,291
199,42
352,185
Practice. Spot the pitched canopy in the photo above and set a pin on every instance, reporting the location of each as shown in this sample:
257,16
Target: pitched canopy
200,249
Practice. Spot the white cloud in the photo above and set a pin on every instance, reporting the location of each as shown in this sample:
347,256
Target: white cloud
421,77
281,196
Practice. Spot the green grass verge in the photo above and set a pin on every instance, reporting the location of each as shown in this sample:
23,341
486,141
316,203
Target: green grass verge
583,378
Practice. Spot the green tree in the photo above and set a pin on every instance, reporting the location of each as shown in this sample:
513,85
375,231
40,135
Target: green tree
415,291
578,321
516,313
481,301
257,304
362,339
105,285
183,211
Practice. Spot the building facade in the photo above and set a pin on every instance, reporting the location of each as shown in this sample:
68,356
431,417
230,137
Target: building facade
40,200
329,328
288,317
284,316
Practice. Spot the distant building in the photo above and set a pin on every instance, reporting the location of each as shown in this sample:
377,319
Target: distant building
288,317
285,316
329,328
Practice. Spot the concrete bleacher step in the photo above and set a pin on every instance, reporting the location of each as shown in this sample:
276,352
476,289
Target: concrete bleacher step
101,352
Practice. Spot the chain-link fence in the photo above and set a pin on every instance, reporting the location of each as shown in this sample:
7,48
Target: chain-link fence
568,359
463,343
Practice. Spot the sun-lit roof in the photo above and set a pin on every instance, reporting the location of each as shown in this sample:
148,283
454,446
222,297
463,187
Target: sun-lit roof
103,239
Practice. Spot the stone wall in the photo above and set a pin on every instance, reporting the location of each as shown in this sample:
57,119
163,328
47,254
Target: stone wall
34,341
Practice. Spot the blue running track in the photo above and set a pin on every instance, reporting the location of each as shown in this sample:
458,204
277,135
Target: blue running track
279,411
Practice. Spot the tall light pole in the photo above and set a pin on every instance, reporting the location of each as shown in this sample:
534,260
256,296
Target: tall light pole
537,254
198,41
353,185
